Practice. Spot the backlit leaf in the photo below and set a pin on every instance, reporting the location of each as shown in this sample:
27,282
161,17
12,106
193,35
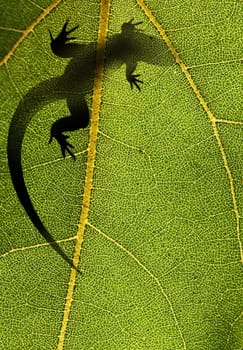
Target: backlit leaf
151,208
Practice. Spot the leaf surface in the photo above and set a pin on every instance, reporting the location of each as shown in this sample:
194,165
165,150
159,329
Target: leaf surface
151,208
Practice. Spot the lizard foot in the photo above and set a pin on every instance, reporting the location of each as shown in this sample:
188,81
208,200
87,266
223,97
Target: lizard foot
62,37
129,27
132,79
65,146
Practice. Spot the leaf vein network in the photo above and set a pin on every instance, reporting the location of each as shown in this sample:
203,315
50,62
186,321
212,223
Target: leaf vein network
148,272
204,105
28,30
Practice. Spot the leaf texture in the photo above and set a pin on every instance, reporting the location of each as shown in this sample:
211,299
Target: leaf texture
151,209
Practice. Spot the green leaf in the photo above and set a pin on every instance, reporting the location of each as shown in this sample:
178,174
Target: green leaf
151,209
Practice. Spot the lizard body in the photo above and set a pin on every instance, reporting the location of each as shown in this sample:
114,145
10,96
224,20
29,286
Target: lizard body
128,47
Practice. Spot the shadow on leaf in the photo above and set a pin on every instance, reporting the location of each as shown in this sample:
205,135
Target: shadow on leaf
128,47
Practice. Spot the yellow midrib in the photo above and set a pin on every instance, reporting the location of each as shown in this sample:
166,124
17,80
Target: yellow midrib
96,101
203,103
103,25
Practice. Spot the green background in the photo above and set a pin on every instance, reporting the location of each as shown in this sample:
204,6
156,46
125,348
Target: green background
161,257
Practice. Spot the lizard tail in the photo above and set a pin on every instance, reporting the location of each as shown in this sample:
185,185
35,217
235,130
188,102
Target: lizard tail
18,125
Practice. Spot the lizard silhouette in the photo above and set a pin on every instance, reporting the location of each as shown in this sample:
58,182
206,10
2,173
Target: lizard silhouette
128,47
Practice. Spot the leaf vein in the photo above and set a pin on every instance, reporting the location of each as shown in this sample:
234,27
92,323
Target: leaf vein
151,275
28,30
204,105
96,102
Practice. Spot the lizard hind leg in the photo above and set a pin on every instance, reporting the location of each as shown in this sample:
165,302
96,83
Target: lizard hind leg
79,119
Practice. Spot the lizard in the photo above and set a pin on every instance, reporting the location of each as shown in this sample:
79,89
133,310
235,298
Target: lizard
128,47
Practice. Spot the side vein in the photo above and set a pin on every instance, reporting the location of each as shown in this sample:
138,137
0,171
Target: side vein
96,102
151,275
21,249
28,30
204,105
